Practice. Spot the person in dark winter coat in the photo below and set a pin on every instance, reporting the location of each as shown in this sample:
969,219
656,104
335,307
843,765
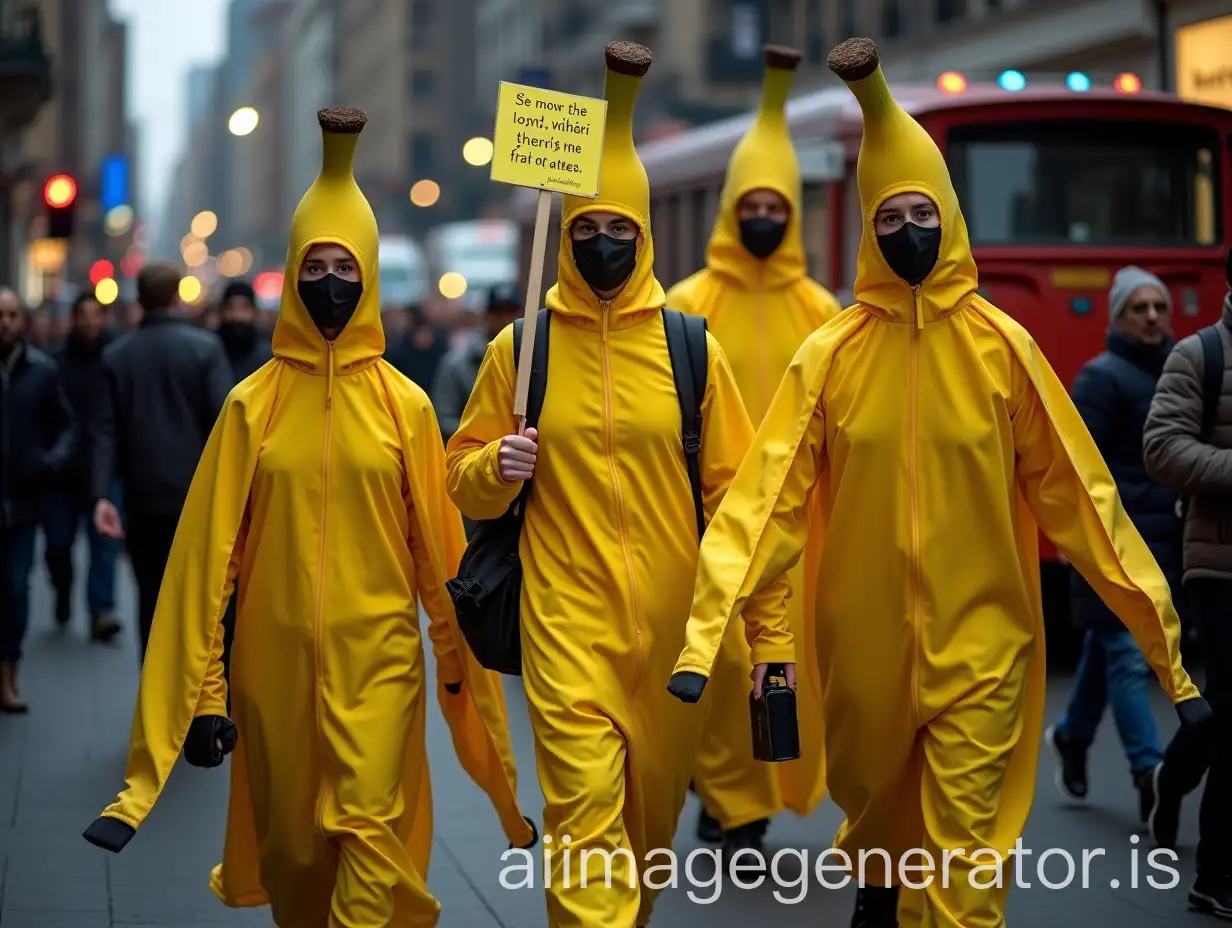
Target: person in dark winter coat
70,503
1113,392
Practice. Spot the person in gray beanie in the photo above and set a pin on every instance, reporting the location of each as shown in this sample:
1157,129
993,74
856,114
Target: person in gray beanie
1113,393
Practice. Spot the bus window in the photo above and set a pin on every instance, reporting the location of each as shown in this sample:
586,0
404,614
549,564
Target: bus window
1086,182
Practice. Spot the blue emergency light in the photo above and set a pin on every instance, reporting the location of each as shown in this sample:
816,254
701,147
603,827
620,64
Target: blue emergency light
113,183
1077,81
1012,80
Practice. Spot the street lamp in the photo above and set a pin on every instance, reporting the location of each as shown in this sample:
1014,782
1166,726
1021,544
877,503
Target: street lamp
243,121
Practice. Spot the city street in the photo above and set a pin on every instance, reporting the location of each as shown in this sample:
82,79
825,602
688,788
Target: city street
60,765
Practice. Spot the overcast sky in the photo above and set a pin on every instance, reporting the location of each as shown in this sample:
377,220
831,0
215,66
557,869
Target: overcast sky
165,39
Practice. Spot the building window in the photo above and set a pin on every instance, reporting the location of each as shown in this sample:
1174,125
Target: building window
419,24
891,19
782,21
421,154
421,85
815,31
847,23
950,10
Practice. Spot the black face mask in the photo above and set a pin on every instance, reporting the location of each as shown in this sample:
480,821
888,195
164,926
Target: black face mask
911,251
761,237
330,300
605,262
237,337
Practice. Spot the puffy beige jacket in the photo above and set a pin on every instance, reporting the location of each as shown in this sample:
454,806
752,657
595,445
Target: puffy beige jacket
1176,454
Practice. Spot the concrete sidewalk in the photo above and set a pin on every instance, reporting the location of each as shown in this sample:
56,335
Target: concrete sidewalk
64,762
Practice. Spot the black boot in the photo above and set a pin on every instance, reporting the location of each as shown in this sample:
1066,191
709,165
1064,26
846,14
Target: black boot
1144,783
1071,778
708,828
746,838
876,907
1165,812
60,573
1212,894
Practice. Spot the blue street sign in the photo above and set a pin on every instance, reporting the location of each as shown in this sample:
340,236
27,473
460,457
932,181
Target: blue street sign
113,183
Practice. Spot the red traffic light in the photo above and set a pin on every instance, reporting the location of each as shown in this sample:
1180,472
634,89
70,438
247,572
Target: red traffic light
60,190
101,270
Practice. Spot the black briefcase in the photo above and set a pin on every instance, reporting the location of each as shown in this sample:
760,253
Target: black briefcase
776,729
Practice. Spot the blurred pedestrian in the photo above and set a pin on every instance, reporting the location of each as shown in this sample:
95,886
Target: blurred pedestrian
418,351
455,377
760,304
937,437
1188,446
165,382
1113,394
320,500
246,345
70,505
38,435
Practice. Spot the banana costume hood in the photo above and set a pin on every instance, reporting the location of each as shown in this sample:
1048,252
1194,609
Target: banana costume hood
761,311
938,436
609,546
319,499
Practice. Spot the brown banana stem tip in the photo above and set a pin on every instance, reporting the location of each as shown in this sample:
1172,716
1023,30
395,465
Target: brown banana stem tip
628,58
782,57
854,59
342,119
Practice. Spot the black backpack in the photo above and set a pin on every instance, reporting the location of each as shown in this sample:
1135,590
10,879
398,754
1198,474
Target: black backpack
487,591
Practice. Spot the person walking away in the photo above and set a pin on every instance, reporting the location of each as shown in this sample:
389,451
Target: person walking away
761,304
928,418
609,542
1188,446
69,506
1113,393
38,437
320,499
165,382
246,345
455,377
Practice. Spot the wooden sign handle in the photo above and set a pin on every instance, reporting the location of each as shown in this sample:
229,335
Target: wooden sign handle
530,316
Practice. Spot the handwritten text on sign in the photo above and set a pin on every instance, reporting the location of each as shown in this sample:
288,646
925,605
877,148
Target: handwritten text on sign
548,140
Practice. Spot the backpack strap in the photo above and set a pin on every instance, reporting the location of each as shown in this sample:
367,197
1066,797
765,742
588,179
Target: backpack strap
686,346
1212,376
538,374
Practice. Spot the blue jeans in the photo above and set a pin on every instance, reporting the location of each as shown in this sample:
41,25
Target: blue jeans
1113,670
17,551
62,520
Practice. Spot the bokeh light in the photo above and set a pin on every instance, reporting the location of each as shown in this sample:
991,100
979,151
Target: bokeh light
1127,83
1077,81
425,192
118,220
951,82
230,264
195,254
101,270
204,224
106,291
452,285
190,289
243,121
477,151
1012,80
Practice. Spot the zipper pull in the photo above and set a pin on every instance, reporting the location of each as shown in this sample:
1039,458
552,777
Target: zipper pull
919,308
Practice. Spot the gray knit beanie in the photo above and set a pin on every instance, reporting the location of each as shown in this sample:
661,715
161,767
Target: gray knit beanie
1127,280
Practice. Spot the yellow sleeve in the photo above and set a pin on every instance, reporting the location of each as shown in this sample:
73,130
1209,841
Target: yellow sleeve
435,529
727,435
474,481
680,298
1075,501
761,526
213,699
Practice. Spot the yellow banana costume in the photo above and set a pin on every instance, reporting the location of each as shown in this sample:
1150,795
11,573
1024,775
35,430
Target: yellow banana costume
939,437
320,499
761,311
609,549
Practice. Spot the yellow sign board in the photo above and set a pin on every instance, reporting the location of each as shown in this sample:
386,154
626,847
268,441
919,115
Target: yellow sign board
1081,278
1204,62
548,140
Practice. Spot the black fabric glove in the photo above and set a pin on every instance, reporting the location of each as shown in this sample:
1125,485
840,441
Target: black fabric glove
534,837
110,834
453,689
200,748
686,686
1195,714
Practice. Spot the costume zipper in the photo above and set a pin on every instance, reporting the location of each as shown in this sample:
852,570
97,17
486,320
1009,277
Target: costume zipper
318,619
763,352
913,479
622,522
